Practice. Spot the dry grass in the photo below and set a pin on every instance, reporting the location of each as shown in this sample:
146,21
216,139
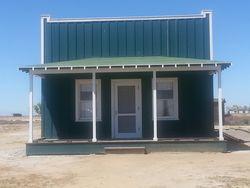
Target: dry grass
152,170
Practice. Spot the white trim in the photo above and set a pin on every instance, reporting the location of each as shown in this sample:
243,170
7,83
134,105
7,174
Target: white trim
94,107
42,33
130,18
78,82
211,46
154,94
220,111
30,140
68,70
114,110
176,99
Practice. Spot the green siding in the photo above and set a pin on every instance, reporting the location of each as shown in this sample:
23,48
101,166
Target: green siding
174,37
150,146
195,106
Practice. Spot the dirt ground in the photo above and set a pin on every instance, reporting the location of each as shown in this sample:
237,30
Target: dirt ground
151,170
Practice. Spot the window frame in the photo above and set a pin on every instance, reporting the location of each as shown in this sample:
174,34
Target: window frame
78,83
175,98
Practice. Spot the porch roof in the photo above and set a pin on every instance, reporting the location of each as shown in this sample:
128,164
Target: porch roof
103,64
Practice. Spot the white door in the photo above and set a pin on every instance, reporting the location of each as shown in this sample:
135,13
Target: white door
126,108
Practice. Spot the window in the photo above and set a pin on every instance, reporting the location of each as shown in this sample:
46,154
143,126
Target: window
167,98
84,100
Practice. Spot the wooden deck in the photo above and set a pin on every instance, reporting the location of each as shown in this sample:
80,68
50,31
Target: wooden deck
81,147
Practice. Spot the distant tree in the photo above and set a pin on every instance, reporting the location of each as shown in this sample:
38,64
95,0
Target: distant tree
37,108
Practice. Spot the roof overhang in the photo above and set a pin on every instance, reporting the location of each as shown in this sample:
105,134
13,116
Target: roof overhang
126,64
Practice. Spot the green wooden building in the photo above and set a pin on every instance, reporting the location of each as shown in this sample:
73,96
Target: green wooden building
132,81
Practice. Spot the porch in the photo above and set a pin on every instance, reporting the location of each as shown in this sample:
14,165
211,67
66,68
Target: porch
80,146
138,69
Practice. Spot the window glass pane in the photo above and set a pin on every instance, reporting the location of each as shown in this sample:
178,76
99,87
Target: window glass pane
86,109
167,85
85,95
165,108
85,100
126,99
164,94
86,87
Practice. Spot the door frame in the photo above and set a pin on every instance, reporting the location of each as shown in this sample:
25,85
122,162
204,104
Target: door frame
138,99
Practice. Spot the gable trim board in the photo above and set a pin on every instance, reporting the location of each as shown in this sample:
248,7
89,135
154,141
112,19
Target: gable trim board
132,18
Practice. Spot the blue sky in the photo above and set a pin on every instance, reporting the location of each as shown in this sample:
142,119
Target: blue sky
20,39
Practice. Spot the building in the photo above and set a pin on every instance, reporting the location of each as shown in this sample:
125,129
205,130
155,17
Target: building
148,79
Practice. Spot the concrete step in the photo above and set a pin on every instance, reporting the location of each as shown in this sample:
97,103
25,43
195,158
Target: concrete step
125,150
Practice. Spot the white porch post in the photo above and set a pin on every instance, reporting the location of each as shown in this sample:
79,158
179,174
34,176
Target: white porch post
220,105
155,138
30,140
94,106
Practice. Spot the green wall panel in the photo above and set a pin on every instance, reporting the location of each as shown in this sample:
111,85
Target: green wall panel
156,27
97,39
88,40
130,32
195,106
80,41
139,38
122,38
113,39
165,37
72,41
105,39
174,37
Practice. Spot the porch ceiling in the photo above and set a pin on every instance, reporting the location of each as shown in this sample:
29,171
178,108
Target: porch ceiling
126,64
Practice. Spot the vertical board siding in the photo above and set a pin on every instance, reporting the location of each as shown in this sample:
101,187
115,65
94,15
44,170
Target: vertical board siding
80,41
175,37
199,39
113,39
130,31
72,41
63,41
58,95
191,38
88,40
164,38
182,36
55,42
148,37
47,43
139,38
156,38
122,37
105,39
97,39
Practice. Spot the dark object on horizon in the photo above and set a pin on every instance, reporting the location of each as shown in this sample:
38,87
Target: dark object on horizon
17,115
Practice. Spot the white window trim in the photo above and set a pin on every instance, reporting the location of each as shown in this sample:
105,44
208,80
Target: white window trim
78,82
176,99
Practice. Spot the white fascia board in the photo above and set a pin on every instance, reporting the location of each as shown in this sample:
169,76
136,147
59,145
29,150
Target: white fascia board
120,69
210,22
130,18
43,18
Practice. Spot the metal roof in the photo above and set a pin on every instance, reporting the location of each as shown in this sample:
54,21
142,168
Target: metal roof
126,62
